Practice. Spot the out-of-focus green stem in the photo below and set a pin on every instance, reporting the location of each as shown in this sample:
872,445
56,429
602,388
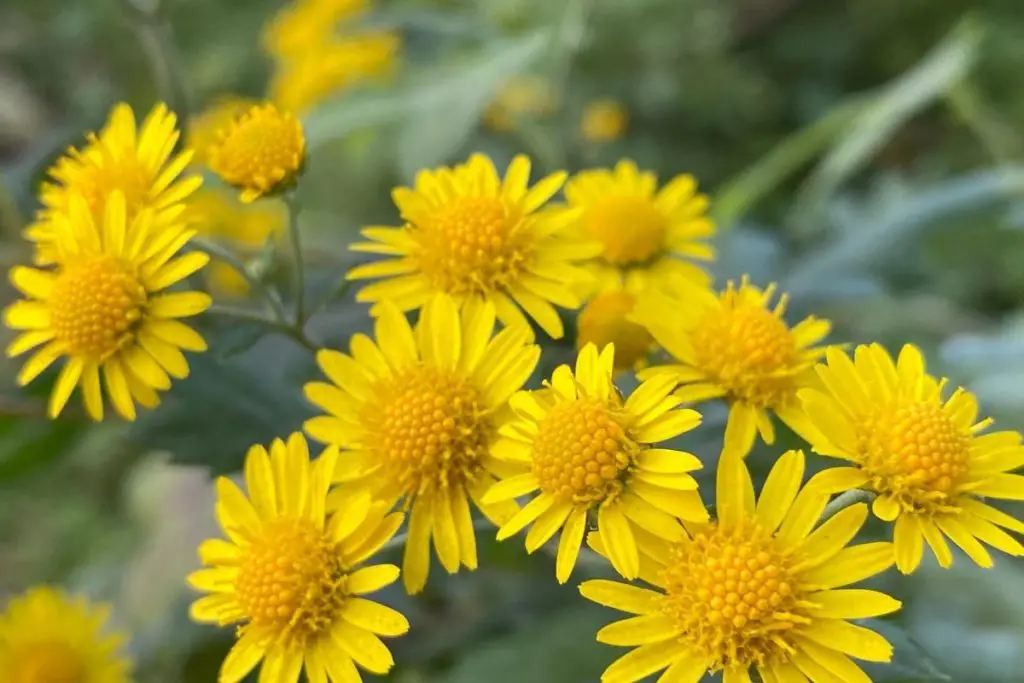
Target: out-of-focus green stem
157,41
298,268
845,500
995,135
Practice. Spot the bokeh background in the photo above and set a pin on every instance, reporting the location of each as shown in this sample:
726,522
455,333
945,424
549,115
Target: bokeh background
865,154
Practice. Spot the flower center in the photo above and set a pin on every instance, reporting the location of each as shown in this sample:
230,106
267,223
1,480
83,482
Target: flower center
430,429
914,452
472,245
291,581
631,229
95,306
46,662
263,148
749,351
581,452
603,321
733,595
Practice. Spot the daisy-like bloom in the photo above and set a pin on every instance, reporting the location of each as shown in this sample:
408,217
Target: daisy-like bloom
755,588
204,128
306,26
104,310
260,153
472,235
521,96
735,346
49,637
417,414
606,320
604,120
139,164
588,451
924,456
645,233
291,575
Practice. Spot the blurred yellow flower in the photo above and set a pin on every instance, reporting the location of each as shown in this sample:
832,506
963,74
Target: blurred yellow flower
260,152
475,236
732,345
604,120
103,308
290,573
204,128
756,588
923,456
49,637
645,233
521,96
589,452
139,165
216,215
606,320
418,414
306,26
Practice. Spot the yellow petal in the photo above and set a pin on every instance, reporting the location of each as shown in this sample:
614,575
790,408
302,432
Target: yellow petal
618,540
648,628
570,542
780,489
374,617
622,596
852,603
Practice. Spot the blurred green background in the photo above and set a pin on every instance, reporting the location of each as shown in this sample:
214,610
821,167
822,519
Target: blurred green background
865,154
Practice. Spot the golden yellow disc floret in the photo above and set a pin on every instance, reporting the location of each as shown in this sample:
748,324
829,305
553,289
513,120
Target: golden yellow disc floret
604,320
46,662
95,306
581,452
260,152
631,229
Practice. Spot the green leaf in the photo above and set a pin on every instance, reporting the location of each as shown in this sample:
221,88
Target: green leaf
910,663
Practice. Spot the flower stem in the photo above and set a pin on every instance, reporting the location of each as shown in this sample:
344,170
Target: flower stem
280,327
844,501
155,35
294,209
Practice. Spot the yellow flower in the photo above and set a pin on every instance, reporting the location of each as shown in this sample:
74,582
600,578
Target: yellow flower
643,232
291,574
732,345
606,320
754,588
417,414
604,120
589,451
305,26
529,96
103,308
204,128
49,637
260,152
137,164
923,456
474,236
214,214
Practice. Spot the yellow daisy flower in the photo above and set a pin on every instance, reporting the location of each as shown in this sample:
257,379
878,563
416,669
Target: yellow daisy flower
103,309
588,451
521,96
417,414
204,128
754,589
475,236
291,574
305,26
924,456
606,319
604,120
137,164
260,152
734,346
645,232
49,637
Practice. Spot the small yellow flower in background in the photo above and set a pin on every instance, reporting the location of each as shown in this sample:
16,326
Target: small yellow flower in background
756,588
103,309
475,236
923,456
305,26
418,415
49,637
645,232
521,96
290,573
249,226
606,320
139,164
204,128
604,120
733,345
260,152
588,451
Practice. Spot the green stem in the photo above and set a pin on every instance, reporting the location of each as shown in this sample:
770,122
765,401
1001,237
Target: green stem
298,268
157,40
280,327
229,257
844,501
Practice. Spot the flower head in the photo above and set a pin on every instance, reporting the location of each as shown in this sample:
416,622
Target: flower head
474,236
305,26
604,120
103,308
645,233
924,456
205,128
138,164
521,96
260,152
290,573
588,451
606,320
755,588
49,637
417,414
736,346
